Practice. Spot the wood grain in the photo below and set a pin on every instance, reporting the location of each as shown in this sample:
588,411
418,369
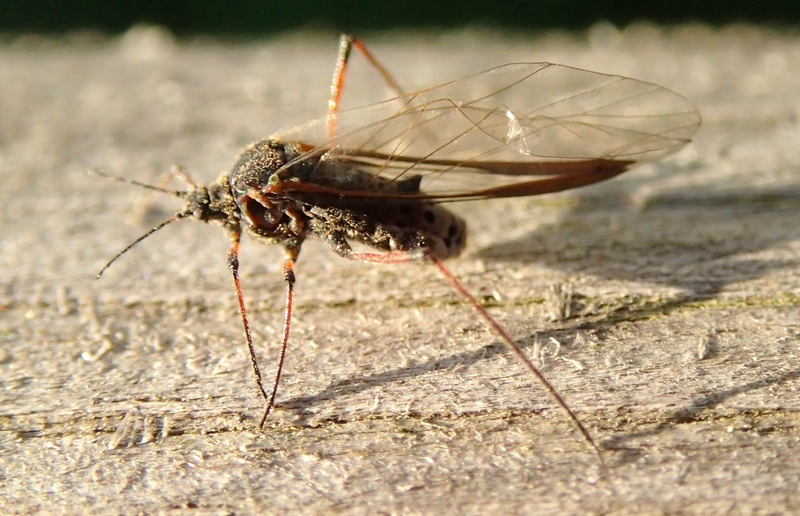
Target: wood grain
680,352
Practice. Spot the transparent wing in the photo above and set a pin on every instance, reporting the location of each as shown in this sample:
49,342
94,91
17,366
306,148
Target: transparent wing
518,129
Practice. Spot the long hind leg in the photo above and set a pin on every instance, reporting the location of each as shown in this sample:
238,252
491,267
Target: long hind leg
346,45
340,245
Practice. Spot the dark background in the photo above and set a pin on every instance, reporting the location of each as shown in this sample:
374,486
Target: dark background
256,17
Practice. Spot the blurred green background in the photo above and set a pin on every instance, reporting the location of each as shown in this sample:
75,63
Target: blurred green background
256,17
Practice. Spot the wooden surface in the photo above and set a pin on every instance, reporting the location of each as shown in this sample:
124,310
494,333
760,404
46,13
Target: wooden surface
681,352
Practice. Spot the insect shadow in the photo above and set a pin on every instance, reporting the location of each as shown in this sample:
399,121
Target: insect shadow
694,243
701,248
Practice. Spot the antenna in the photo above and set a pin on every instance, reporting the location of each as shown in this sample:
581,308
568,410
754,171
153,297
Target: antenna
176,193
174,218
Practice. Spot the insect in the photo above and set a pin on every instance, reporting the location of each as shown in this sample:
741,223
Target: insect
380,175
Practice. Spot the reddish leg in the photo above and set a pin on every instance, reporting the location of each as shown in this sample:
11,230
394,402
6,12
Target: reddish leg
346,44
338,243
288,275
389,257
341,246
516,350
233,265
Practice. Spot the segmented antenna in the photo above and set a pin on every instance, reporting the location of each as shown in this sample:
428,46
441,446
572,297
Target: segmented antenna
177,193
174,218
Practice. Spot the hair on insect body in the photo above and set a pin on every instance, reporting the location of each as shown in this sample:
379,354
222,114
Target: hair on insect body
379,175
